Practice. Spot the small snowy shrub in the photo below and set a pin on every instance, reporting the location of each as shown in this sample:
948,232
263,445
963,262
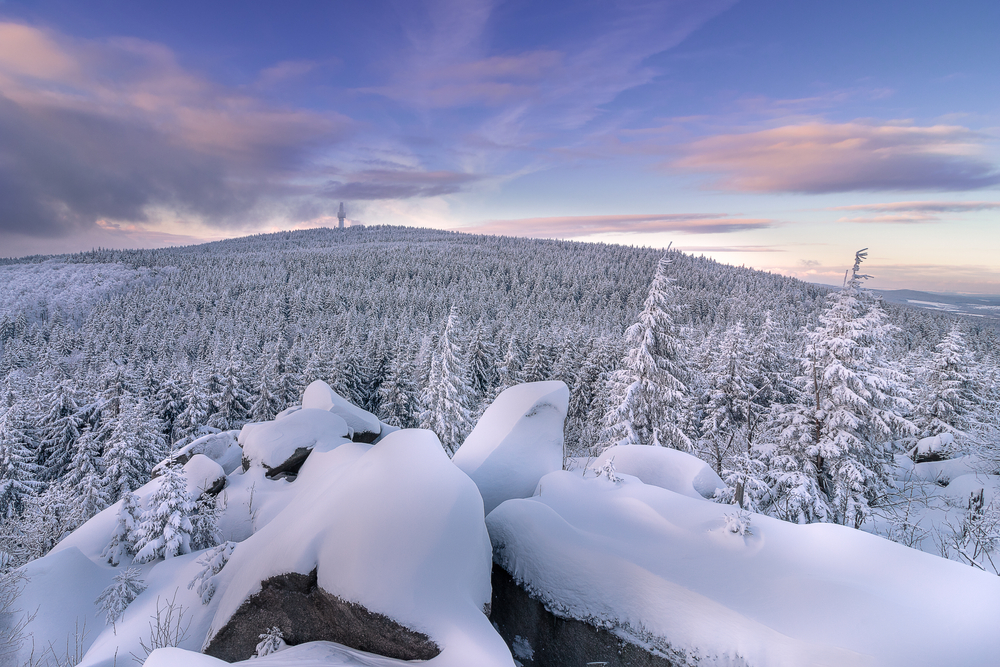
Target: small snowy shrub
521,648
738,523
270,641
212,563
125,588
205,523
608,470
166,628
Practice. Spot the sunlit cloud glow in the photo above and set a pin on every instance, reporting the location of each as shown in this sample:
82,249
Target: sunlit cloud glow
824,158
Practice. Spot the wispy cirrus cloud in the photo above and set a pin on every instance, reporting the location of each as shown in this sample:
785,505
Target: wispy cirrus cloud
114,130
579,226
397,184
910,212
822,157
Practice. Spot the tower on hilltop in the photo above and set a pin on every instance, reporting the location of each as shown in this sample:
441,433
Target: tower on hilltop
341,214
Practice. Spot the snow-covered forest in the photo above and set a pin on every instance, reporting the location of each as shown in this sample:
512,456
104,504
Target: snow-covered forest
112,359
811,405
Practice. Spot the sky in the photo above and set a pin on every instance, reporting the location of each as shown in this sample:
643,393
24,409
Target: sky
778,134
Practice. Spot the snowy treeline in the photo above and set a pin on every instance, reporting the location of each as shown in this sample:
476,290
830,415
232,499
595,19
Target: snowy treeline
800,399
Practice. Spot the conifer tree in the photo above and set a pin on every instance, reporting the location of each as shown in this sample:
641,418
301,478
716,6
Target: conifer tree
196,407
399,399
942,400
124,539
124,589
446,398
60,429
18,470
648,392
165,529
85,478
231,403
135,446
840,435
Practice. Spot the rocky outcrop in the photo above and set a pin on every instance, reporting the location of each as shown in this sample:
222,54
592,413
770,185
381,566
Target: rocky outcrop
539,638
221,447
282,445
365,426
518,440
305,612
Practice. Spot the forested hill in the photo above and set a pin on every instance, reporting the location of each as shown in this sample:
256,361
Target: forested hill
397,272
108,353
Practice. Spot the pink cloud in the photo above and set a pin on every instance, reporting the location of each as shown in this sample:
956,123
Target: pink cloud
923,206
822,157
112,130
589,225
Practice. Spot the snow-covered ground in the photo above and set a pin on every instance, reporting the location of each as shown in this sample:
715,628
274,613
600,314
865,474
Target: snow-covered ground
633,543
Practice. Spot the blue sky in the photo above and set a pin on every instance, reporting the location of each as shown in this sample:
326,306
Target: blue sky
778,134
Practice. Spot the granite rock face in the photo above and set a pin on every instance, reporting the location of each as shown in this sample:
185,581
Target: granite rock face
539,638
305,612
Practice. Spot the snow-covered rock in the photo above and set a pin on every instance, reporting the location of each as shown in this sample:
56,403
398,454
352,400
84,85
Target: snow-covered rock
934,448
665,569
364,425
282,445
222,447
663,467
518,440
396,530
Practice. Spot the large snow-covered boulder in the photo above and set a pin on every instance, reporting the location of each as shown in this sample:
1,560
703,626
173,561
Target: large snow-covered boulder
669,571
663,467
282,445
365,426
222,447
518,440
384,550
935,448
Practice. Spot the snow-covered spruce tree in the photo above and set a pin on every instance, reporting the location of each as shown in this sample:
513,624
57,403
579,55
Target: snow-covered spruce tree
943,395
398,395
134,447
267,404
212,563
270,642
124,588
482,361
196,409
168,403
230,402
17,467
85,478
725,403
123,540
205,531
831,458
60,429
165,529
647,390
446,398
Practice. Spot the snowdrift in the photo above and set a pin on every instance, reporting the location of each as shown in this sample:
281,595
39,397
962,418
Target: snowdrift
665,571
393,546
518,440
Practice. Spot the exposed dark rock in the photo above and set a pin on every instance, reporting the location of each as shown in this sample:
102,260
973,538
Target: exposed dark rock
532,630
367,437
217,487
305,612
291,465
246,464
